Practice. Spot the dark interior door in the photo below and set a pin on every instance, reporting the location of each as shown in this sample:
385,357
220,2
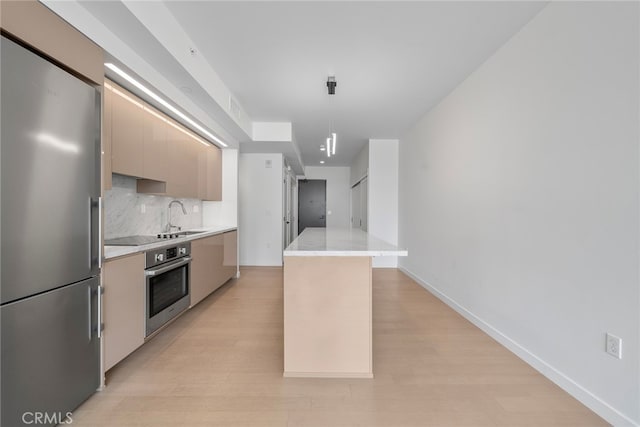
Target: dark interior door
312,203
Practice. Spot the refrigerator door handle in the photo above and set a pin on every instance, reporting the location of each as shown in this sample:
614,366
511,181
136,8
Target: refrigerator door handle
95,204
100,225
89,301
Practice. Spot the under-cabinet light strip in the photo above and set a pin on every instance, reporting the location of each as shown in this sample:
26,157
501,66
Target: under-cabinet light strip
163,102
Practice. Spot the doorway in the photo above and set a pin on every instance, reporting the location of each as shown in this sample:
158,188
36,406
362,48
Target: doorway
288,191
359,213
312,203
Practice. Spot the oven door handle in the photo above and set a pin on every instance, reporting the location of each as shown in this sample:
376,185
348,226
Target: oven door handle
165,268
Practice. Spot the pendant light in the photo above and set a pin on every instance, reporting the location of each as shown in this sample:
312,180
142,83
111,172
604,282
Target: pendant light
330,146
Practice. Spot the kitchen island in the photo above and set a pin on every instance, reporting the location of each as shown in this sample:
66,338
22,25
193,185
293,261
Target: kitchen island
328,302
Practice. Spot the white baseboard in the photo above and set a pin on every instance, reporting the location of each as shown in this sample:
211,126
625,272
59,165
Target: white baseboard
591,401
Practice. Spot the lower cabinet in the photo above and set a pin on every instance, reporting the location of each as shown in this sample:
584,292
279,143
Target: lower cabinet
230,257
214,261
123,306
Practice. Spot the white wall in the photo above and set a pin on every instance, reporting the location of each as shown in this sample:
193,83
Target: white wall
260,209
383,195
224,212
271,131
519,199
360,165
338,193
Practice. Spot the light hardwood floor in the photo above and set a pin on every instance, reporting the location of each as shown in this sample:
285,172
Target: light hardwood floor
221,363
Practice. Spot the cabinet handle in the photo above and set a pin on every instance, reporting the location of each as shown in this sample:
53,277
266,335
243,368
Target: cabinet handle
95,235
165,268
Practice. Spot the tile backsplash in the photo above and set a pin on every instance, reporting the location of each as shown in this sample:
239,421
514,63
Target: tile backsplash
128,213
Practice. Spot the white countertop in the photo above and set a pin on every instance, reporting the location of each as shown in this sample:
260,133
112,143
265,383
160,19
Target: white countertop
340,242
117,251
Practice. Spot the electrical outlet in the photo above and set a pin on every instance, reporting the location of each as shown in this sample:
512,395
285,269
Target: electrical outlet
143,208
196,209
614,346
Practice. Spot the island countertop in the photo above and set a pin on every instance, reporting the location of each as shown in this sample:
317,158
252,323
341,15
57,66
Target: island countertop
340,242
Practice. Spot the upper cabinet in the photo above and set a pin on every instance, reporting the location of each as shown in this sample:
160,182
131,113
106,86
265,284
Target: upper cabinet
183,167
127,135
210,174
167,158
34,24
155,155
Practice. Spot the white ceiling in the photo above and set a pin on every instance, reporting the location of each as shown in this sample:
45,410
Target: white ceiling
393,60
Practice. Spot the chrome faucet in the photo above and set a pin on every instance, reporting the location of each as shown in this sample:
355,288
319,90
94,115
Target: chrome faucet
169,225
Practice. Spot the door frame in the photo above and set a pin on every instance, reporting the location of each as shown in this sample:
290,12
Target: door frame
298,201
363,203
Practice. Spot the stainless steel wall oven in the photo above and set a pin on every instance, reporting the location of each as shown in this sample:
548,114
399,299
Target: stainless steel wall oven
167,272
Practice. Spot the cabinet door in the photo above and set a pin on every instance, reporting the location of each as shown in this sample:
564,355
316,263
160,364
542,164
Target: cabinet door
107,96
37,26
191,167
203,158
202,268
211,265
176,148
210,186
215,177
230,258
183,157
155,159
127,133
124,303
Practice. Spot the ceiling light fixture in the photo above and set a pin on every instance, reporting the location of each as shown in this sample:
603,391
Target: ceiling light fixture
164,103
331,85
322,162
333,138
331,141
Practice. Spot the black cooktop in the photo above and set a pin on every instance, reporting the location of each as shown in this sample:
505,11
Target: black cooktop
140,240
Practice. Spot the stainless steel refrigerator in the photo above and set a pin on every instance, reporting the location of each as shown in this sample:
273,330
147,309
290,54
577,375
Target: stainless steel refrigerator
49,219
